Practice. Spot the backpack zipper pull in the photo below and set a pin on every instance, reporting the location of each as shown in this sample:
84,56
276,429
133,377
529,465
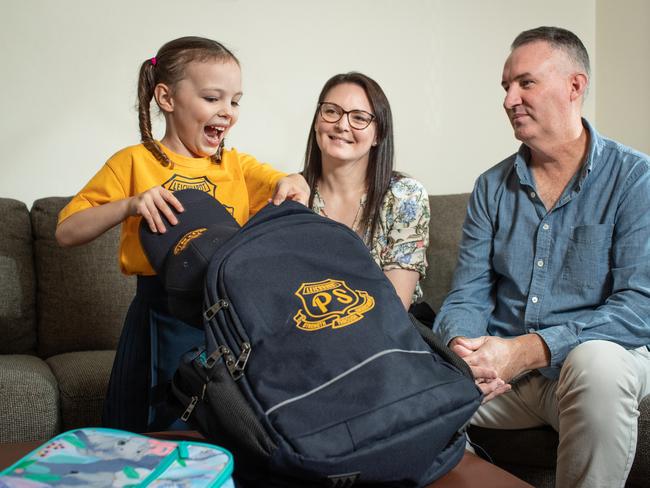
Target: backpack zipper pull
190,408
212,311
214,357
238,369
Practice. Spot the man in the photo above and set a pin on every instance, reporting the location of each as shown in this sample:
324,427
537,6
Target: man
552,287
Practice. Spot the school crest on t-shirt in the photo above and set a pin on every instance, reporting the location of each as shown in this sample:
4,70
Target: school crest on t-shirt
180,182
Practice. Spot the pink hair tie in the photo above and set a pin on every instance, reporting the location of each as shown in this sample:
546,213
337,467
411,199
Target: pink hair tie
154,61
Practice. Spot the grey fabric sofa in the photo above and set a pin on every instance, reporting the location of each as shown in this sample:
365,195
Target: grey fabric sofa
61,311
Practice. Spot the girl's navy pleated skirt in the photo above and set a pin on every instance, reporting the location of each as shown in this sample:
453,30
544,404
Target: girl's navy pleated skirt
149,350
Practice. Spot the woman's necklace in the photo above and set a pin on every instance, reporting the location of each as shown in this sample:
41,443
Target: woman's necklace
356,215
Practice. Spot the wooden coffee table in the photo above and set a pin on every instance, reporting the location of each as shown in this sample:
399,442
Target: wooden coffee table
471,472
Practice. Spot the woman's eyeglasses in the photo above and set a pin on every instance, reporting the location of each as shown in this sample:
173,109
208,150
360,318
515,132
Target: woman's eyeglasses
358,119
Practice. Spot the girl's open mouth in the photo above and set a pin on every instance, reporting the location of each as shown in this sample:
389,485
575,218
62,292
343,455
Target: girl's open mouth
214,134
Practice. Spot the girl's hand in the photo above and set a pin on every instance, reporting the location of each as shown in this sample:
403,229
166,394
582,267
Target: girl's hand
292,187
151,203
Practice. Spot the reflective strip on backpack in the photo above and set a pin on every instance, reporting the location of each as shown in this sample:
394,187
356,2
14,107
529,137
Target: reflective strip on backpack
342,375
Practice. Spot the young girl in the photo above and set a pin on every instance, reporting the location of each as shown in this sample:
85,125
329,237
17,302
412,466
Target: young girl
349,167
196,83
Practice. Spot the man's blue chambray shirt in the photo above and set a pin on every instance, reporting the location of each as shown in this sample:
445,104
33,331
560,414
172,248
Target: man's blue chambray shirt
578,272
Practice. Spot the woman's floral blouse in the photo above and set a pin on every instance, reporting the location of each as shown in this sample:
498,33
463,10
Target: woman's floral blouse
402,237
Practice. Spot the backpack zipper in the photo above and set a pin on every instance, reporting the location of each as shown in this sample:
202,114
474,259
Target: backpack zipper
237,366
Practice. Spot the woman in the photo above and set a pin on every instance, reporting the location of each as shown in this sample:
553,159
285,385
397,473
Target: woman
349,168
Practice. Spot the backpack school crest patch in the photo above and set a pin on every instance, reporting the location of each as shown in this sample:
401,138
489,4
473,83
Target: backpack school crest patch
330,303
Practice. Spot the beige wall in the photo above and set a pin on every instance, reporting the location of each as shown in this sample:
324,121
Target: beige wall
69,77
623,74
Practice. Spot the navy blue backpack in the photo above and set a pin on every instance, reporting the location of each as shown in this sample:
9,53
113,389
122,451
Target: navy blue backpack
313,374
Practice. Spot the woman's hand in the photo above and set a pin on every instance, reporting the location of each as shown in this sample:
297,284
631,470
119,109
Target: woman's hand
291,187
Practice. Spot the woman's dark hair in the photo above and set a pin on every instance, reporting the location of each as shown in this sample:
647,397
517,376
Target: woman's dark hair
380,160
168,67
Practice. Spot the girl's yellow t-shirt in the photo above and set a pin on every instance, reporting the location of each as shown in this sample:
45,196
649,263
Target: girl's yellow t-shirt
241,183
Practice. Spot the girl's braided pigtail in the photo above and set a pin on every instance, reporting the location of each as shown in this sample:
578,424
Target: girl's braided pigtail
146,85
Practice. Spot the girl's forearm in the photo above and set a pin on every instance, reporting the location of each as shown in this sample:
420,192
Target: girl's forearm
86,225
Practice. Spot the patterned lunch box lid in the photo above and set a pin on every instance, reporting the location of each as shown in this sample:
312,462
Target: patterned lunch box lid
97,457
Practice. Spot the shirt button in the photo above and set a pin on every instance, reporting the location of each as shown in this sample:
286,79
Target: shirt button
534,299
533,194
531,330
546,226
540,263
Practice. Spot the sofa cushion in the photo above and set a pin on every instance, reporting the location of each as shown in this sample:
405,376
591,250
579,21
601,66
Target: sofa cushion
30,399
17,310
535,447
82,295
83,378
447,216
640,473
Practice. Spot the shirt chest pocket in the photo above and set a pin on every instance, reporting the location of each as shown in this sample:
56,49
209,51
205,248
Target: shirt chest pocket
587,258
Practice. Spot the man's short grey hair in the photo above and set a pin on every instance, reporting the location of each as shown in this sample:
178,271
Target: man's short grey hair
558,38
